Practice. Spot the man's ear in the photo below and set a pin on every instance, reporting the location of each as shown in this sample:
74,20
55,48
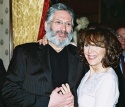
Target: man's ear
45,24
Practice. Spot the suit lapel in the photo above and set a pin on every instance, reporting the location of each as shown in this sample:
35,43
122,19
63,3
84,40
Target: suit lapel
73,68
43,54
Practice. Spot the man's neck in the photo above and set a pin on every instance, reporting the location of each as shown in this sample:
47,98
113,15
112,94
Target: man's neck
56,48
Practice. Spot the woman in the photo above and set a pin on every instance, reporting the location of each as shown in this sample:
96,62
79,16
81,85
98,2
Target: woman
100,48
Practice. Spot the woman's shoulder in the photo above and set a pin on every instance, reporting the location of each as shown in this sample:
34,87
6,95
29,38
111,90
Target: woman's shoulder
110,75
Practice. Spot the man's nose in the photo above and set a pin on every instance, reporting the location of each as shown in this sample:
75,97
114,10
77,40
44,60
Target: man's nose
63,27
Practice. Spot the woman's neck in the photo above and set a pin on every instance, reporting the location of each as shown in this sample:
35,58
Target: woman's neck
97,69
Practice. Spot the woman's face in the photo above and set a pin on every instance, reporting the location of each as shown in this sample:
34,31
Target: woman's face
94,54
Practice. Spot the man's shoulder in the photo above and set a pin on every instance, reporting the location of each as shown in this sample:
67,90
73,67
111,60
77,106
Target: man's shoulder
28,47
72,46
31,45
25,45
72,43
72,49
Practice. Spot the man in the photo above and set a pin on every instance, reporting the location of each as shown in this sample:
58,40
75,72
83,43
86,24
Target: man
36,70
2,79
120,32
121,37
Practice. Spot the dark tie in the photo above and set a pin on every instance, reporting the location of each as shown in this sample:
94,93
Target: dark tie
123,65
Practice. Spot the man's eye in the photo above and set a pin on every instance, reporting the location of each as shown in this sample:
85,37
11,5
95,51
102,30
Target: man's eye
68,24
58,22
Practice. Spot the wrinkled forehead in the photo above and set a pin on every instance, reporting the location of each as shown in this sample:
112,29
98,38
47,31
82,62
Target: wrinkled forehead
62,14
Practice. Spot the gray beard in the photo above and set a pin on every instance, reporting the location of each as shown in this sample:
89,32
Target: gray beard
50,35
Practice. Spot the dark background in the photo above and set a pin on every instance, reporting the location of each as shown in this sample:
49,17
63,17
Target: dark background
106,12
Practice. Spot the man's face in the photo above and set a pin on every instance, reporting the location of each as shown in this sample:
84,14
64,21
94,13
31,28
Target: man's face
121,36
59,31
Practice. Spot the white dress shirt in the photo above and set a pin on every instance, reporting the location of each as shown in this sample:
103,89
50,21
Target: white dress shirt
99,90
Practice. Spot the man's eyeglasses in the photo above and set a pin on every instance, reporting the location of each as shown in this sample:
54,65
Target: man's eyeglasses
120,37
60,23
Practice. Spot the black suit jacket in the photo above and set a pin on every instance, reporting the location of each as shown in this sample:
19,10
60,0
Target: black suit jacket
2,79
121,79
29,82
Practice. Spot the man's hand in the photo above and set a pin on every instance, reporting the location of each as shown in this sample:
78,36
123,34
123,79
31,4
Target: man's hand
58,99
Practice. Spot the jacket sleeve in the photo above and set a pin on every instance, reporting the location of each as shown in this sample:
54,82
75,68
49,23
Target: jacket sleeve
13,93
2,73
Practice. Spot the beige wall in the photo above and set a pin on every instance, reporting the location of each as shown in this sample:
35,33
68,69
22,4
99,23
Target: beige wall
26,21
4,32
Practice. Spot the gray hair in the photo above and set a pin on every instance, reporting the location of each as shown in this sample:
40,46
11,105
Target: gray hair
56,7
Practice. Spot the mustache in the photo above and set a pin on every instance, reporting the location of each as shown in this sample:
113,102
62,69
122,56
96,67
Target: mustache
62,32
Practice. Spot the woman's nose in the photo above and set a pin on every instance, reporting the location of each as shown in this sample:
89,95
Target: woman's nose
90,49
